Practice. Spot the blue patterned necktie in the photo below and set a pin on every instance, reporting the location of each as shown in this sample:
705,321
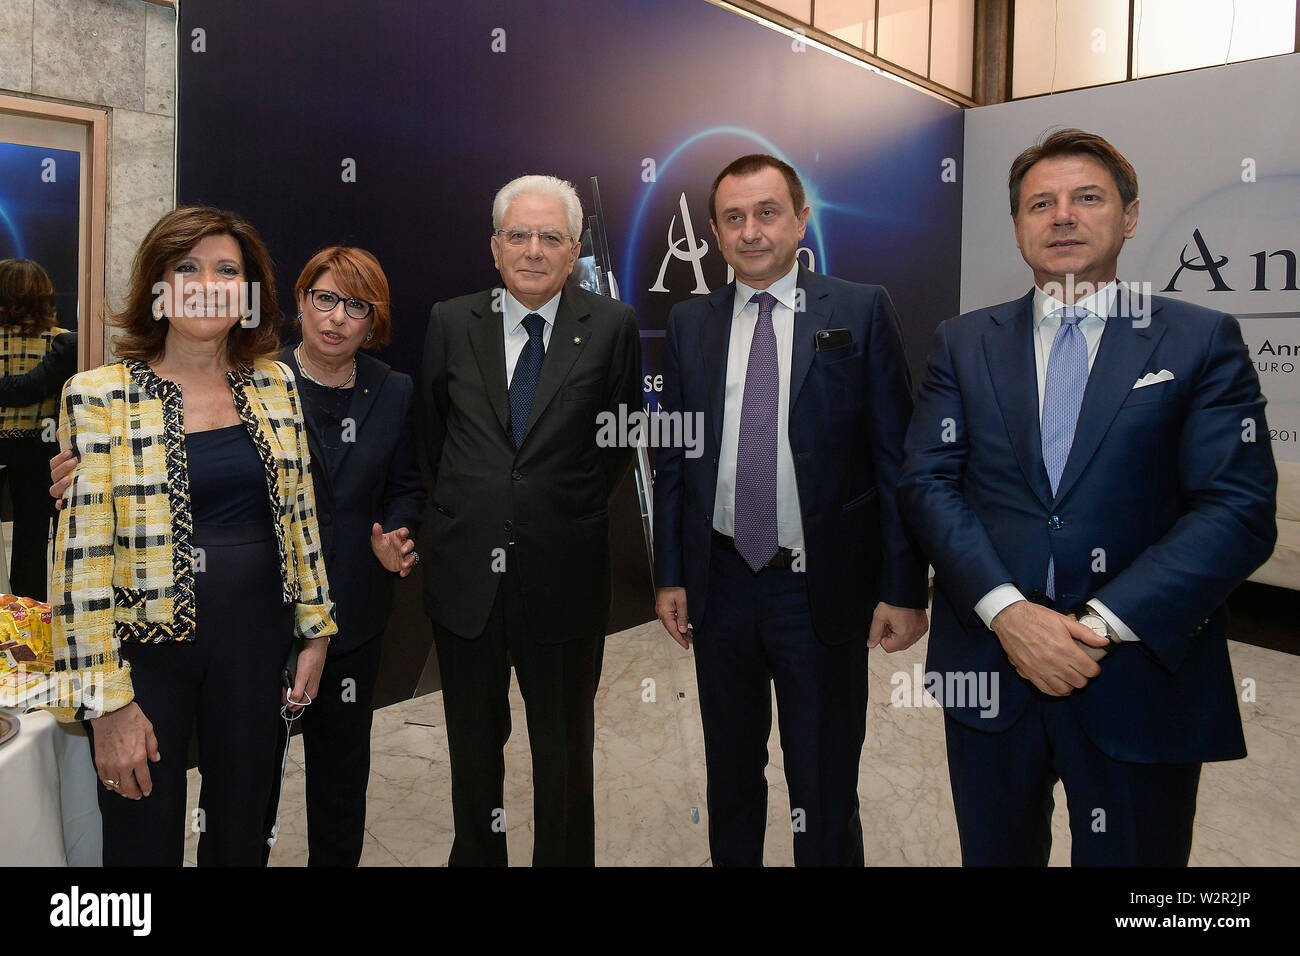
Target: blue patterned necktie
755,517
527,371
1066,381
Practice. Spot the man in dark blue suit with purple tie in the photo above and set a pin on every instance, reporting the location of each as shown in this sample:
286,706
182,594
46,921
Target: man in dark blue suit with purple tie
1089,471
783,530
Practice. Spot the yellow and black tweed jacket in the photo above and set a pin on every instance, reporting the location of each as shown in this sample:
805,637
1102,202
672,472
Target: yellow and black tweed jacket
19,354
123,566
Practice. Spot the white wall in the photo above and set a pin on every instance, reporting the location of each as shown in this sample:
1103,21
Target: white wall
1188,136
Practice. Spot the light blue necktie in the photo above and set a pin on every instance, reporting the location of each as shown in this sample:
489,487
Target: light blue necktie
1067,378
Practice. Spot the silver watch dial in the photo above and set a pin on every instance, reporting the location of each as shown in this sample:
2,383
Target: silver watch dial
1096,624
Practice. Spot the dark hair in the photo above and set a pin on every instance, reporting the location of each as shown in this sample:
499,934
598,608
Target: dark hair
26,296
1075,142
752,163
358,274
171,238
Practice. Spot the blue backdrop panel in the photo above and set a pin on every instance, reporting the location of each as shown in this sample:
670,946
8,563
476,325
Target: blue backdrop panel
439,104
435,106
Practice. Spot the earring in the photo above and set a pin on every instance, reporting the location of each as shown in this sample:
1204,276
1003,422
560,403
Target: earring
369,336
158,313
300,316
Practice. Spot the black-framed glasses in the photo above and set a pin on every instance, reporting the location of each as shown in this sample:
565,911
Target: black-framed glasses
325,300
548,238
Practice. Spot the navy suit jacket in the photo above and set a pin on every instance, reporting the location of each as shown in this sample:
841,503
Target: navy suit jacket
1166,504
377,479
848,414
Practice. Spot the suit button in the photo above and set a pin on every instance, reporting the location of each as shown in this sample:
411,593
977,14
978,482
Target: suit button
1055,522
516,475
509,525
708,519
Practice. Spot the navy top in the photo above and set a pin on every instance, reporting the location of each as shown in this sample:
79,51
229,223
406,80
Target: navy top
326,408
227,481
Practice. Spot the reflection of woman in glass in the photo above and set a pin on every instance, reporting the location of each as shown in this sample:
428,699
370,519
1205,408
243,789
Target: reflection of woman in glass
27,438
188,554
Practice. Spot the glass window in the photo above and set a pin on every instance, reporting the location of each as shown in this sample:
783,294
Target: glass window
952,44
1170,35
801,9
853,21
933,39
1063,46
904,34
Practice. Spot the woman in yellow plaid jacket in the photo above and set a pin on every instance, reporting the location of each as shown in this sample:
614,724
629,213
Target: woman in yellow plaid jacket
187,559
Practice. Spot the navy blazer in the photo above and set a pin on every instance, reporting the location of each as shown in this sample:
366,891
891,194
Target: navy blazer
848,414
377,479
1166,504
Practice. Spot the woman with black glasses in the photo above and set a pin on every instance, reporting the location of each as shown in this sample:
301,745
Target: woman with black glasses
361,426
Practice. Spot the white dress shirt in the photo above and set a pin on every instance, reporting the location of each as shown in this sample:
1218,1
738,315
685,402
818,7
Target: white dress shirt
513,315
744,317
1046,324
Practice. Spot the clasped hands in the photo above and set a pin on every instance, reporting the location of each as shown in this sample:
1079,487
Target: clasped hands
1052,651
893,628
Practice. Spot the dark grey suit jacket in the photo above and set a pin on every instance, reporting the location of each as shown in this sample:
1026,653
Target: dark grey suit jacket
551,496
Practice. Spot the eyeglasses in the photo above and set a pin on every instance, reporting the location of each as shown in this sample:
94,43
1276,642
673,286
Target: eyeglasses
325,300
548,239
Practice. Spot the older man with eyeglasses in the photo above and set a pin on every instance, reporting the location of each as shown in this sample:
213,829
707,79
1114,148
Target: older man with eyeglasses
517,554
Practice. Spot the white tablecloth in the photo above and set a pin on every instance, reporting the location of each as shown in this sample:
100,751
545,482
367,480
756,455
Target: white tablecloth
48,810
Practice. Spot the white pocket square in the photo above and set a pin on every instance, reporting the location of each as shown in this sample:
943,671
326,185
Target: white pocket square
1154,378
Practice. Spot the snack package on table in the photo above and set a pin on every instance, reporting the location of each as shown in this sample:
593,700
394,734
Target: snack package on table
25,635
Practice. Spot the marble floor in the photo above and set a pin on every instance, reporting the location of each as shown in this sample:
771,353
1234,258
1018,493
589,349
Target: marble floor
650,782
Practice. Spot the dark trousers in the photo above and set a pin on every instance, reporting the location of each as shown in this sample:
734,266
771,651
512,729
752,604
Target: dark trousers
227,685
1121,814
27,471
336,745
758,630
558,682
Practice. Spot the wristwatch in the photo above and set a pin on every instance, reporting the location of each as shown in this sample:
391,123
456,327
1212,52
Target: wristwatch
1097,624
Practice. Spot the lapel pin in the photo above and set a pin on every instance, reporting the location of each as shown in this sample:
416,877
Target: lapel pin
577,340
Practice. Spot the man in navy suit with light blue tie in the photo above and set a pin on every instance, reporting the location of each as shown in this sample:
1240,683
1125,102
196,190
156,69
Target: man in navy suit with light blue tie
783,530
1089,471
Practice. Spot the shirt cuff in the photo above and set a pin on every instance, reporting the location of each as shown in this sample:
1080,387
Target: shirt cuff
1122,630
996,601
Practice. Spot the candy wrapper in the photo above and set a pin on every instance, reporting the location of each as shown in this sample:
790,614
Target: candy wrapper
25,635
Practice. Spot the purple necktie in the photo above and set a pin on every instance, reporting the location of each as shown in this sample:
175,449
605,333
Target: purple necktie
755,522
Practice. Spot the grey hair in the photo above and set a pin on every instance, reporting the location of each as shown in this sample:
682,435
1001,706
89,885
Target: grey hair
544,186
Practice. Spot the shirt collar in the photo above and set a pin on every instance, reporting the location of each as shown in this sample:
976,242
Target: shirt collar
1100,304
516,310
783,289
